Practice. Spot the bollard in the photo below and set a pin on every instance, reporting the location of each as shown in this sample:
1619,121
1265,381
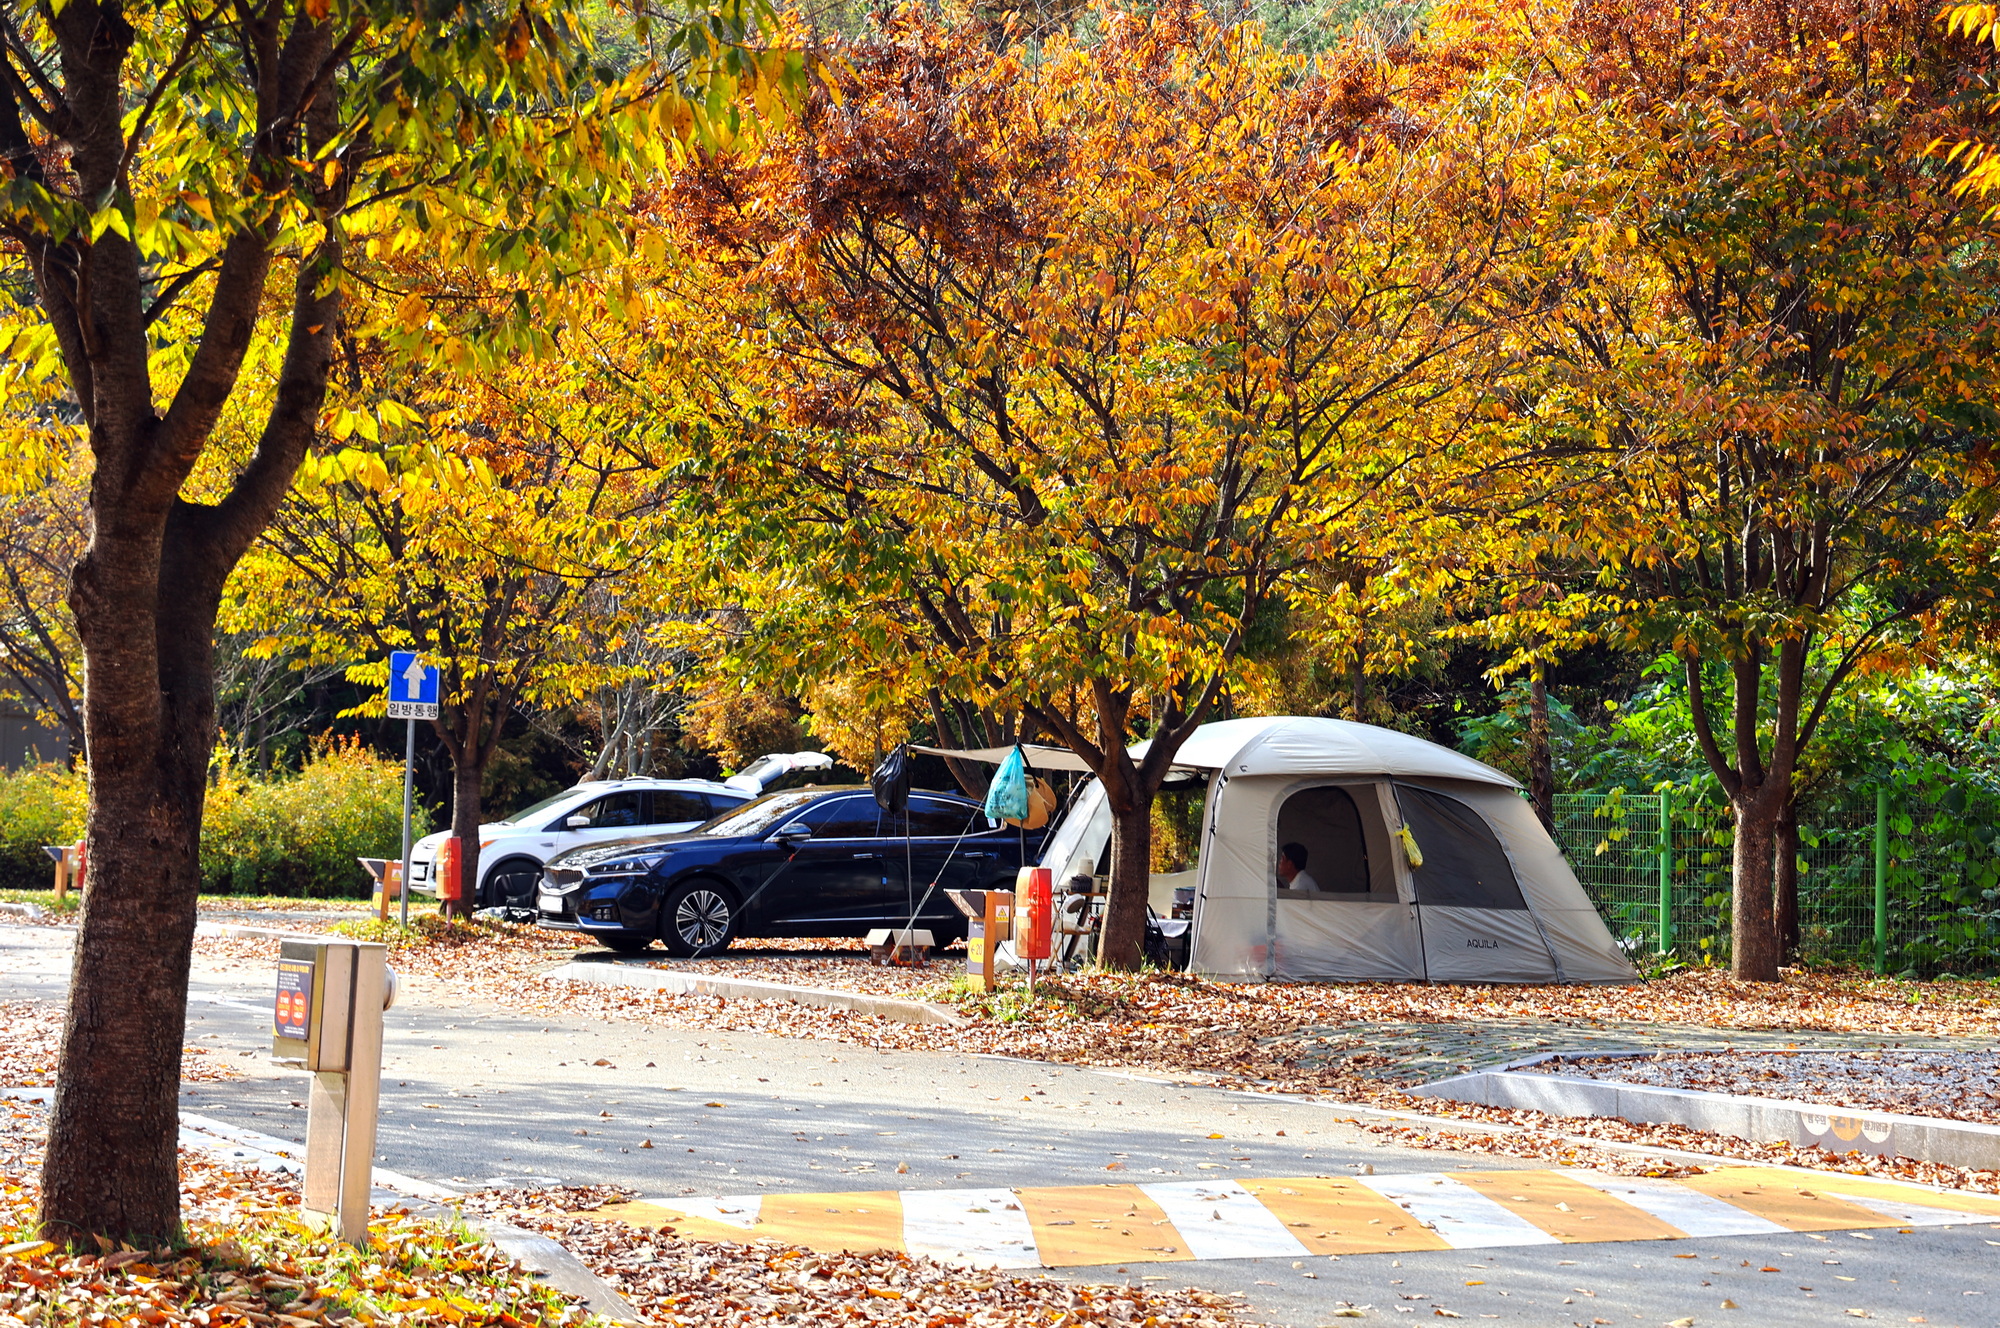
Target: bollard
327,1019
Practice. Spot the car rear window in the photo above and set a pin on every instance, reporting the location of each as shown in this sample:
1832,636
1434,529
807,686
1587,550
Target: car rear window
671,805
940,819
844,818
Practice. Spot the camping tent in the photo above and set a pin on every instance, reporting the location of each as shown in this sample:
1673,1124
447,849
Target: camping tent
1422,863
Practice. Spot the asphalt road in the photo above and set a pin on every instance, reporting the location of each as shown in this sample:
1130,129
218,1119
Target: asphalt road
477,1096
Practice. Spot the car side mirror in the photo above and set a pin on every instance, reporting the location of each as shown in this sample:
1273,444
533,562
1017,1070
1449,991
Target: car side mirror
578,822
798,832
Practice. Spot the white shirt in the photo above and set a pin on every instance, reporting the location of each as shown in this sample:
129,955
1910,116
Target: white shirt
1302,881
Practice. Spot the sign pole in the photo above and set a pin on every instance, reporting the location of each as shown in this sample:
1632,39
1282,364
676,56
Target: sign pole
409,777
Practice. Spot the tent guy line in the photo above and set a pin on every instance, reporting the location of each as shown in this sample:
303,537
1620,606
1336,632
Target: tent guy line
1306,1216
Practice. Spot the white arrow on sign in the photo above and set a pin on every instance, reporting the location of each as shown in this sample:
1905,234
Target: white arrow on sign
413,678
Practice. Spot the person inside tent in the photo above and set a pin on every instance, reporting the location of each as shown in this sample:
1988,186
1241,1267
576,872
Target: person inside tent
1292,873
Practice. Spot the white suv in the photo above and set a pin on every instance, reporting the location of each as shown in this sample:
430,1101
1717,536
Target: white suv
512,851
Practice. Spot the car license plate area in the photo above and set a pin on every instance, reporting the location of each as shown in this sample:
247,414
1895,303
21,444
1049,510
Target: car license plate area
550,903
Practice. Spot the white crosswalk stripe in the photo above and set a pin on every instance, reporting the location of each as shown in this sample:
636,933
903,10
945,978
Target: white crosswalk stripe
1461,1216
1222,1220
738,1210
985,1228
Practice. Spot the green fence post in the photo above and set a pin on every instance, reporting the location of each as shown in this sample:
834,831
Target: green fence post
1666,871
1881,880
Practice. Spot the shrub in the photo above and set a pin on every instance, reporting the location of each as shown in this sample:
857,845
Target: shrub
299,835
291,834
43,804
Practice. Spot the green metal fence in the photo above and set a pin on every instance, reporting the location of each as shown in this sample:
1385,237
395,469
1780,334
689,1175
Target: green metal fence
1896,882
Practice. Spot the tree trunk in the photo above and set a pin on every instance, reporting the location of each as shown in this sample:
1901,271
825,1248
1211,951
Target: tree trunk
466,777
1754,942
149,721
1785,880
1357,685
1541,762
1122,944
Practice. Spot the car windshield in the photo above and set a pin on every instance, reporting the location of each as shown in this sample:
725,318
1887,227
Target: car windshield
754,818
538,808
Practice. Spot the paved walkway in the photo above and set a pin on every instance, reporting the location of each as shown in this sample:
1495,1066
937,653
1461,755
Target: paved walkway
1411,1053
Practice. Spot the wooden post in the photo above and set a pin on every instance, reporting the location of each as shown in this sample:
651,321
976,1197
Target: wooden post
61,854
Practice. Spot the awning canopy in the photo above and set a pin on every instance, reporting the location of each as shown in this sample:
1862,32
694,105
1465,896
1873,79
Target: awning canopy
1039,757
1280,744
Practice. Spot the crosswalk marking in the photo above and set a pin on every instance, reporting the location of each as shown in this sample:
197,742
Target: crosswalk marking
986,1227
1461,1215
1785,1199
1076,1226
1071,1226
1338,1215
1907,1214
1686,1210
1222,1220
741,1213
1566,1208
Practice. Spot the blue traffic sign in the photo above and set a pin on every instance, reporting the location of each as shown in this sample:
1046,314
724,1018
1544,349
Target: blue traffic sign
413,687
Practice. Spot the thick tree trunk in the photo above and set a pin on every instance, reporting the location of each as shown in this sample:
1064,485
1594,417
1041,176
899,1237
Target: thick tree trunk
1785,880
149,718
466,777
1755,948
1122,944
1541,761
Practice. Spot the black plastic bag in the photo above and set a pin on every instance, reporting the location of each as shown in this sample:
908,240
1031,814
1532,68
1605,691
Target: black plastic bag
891,782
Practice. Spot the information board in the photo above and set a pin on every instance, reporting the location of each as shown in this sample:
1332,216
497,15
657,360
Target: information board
292,1017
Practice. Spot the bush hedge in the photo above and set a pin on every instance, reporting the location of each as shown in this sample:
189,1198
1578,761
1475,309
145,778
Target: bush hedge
295,834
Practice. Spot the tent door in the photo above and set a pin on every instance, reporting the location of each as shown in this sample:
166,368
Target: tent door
1473,921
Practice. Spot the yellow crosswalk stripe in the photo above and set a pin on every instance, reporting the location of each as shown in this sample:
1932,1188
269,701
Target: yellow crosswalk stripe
1790,1200
1069,1226
1335,1215
1076,1226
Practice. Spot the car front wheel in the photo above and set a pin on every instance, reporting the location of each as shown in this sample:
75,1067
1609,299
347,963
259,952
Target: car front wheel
698,919
513,884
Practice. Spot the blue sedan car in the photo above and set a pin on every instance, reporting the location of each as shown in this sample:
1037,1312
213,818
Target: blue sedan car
804,862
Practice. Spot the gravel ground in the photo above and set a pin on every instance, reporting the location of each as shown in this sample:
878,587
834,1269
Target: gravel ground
1954,1085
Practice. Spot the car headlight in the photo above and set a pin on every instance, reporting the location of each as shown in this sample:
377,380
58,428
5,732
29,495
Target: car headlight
635,866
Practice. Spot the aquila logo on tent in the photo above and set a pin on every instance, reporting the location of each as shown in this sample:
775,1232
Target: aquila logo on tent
1479,943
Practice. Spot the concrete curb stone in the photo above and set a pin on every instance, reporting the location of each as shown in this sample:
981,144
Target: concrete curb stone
1837,1129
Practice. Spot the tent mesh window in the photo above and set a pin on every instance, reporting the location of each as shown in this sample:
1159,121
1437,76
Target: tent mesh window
1464,865
1325,823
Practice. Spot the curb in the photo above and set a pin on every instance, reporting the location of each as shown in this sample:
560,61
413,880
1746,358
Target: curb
613,974
1837,1129
247,931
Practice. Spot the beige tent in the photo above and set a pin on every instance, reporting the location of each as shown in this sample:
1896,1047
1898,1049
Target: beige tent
1420,863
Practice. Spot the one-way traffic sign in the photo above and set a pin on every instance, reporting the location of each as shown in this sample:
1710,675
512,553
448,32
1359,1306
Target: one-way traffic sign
413,687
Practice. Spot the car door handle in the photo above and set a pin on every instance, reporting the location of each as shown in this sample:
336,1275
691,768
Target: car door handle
863,856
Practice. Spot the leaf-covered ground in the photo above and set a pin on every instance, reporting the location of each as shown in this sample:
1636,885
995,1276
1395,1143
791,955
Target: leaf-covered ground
709,1284
245,1260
